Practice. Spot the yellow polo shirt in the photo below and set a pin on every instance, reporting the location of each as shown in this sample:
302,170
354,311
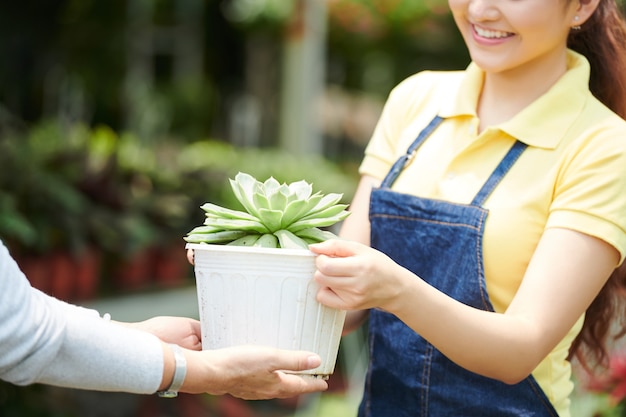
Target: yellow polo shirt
572,175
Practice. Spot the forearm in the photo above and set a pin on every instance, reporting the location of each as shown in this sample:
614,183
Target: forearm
48,341
102,356
499,346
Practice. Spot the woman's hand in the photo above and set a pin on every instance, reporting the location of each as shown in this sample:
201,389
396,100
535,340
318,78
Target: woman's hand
353,276
190,256
251,372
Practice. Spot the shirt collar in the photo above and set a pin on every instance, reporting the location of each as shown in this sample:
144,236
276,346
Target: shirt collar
563,103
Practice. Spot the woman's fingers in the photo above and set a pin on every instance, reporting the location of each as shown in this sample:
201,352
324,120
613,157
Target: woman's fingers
329,298
338,258
336,248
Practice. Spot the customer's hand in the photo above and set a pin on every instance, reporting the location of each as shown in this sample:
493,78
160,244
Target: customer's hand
251,372
182,331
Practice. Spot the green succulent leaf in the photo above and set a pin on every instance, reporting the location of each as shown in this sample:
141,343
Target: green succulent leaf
260,200
243,187
328,212
279,199
248,240
302,190
317,222
270,218
325,202
305,209
218,211
288,240
314,235
293,212
236,224
270,186
204,229
268,240
217,237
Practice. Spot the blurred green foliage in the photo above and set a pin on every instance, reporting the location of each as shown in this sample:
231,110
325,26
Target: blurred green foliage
80,186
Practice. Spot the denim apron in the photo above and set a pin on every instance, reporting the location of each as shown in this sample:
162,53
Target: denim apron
441,242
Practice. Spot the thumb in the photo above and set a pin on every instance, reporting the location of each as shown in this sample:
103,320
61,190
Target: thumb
298,360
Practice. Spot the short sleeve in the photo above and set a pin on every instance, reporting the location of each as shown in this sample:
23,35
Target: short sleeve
380,153
590,192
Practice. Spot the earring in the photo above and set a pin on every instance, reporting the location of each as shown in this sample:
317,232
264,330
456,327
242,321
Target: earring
576,19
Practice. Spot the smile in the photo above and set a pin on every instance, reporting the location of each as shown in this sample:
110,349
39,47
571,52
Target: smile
491,34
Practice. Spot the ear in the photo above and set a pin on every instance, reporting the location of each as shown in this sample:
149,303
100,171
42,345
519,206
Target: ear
584,10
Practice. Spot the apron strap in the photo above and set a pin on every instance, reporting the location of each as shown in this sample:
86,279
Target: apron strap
496,176
401,162
498,173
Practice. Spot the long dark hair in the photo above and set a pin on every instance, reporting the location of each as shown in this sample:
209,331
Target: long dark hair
602,39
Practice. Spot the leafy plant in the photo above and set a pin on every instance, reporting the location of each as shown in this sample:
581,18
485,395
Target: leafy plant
276,215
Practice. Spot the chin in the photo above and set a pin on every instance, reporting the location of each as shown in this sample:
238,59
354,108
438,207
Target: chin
488,65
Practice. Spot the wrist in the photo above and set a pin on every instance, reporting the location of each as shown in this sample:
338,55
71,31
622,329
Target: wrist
174,371
402,300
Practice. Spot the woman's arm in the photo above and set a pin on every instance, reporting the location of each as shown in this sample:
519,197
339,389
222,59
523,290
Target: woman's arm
566,272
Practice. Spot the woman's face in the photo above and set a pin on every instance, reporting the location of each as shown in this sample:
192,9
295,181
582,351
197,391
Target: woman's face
506,35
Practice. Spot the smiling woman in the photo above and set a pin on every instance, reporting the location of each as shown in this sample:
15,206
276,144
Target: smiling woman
479,238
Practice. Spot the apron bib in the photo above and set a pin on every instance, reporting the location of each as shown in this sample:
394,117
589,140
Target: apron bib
441,242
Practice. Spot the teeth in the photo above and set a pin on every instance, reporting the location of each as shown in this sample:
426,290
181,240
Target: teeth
492,34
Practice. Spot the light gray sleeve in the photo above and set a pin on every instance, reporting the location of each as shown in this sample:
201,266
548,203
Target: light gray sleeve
45,340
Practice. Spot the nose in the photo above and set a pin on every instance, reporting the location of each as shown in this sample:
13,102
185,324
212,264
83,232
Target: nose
483,10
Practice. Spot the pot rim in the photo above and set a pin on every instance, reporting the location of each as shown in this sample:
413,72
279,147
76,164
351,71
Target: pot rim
248,249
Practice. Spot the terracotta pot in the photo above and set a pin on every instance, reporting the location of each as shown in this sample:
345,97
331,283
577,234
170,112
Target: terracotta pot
135,272
87,267
171,267
62,276
36,270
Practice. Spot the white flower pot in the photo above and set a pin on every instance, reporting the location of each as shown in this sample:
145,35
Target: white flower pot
262,296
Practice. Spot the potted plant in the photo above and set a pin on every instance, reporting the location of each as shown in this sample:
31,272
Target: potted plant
254,272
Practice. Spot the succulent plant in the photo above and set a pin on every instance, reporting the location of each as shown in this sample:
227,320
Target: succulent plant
276,215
